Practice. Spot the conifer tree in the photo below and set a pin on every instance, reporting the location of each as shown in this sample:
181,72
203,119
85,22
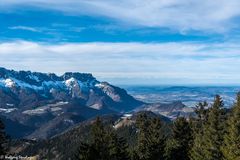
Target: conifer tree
118,148
179,144
151,141
97,147
99,139
201,111
85,152
200,119
157,139
210,141
214,130
142,149
104,145
231,147
3,139
197,124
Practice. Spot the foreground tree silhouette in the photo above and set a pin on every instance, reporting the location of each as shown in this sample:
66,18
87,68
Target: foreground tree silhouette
151,141
85,152
104,145
201,114
118,148
99,139
210,141
179,144
197,125
231,147
3,139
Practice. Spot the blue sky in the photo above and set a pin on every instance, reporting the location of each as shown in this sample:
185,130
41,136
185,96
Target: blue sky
126,41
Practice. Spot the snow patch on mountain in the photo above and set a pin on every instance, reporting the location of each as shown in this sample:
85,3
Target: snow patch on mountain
47,108
35,111
33,77
70,82
9,83
100,85
12,82
55,84
9,104
22,84
96,106
7,110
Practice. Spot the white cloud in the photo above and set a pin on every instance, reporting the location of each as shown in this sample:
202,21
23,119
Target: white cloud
26,28
184,15
154,62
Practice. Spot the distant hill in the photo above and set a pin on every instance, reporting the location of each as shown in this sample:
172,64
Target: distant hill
64,146
170,110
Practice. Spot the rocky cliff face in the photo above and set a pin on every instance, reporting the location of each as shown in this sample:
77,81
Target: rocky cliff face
39,100
26,90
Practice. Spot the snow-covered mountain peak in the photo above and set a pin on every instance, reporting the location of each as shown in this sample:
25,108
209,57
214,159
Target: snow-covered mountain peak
29,89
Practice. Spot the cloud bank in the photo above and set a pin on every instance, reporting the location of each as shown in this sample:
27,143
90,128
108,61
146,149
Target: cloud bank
185,15
158,63
26,28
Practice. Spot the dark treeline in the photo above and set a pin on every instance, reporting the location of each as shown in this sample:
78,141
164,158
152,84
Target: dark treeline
213,133
3,140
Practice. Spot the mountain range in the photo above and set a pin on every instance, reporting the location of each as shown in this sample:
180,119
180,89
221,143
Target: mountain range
36,105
